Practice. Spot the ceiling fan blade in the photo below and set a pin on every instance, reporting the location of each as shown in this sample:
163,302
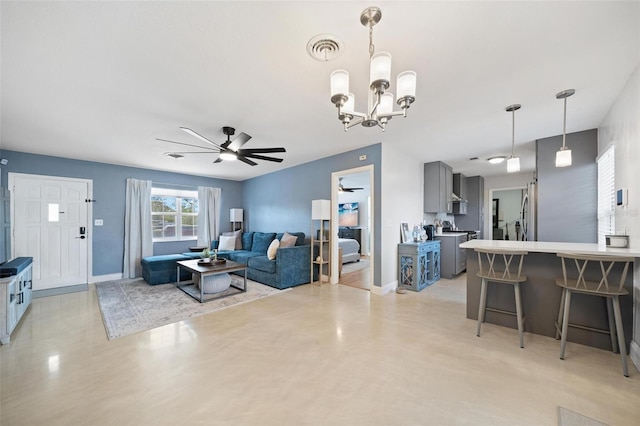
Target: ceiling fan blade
195,152
261,157
185,144
353,189
240,140
247,161
218,160
260,150
199,136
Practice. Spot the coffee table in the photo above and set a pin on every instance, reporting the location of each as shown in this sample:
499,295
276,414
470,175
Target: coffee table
205,270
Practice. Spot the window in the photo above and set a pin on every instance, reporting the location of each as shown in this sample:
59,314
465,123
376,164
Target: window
174,214
606,195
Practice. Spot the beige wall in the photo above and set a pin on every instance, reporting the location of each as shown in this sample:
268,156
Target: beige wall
621,128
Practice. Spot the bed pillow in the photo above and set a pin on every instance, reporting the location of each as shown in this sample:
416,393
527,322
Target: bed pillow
227,243
238,235
288,240
273,249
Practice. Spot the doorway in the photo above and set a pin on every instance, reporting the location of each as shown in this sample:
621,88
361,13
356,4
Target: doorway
506,213
49,218
352,218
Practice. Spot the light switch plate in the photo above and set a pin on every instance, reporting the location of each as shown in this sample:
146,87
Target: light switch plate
98,222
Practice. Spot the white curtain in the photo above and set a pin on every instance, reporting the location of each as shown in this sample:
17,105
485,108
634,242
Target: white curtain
208,215
138,238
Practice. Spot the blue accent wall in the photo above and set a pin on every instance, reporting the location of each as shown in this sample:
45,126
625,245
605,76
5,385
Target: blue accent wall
281,201
109,185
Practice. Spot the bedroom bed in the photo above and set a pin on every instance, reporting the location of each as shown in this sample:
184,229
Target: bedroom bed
350,250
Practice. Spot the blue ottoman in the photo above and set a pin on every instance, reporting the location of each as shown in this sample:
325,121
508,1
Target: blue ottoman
162,269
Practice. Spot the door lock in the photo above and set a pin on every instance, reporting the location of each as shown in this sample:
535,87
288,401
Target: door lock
83,231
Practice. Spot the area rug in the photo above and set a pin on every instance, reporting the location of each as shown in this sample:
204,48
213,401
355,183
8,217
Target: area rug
130,306
355,266
567,417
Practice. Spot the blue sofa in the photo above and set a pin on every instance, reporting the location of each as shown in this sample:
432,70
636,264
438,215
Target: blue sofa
291,267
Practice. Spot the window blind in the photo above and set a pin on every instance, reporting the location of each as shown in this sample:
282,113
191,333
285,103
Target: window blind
606,195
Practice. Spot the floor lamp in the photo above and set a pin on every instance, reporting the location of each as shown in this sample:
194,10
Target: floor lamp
236,216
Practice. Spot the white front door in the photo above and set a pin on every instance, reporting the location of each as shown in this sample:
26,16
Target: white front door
50,223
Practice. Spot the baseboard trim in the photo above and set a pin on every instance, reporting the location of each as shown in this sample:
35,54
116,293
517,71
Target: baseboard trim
634,353
59,290
103,278
385,289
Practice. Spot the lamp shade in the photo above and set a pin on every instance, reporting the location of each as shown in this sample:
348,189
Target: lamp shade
380,67
513,165
321,209
340,83
236,215
563,158
386,104
406,84
350,106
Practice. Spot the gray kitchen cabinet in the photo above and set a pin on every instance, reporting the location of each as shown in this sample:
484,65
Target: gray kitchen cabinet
460,189
438,187
460,185
473,220
453,259
418,264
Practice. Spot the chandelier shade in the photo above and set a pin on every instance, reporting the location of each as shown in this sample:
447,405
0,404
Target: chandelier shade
380,102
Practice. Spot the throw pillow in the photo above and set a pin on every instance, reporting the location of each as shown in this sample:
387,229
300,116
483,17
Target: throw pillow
227,243
288,240
238,235
273,249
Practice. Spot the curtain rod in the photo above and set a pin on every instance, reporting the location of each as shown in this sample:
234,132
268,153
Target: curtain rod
153,183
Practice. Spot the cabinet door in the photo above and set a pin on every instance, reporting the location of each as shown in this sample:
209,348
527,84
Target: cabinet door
448,187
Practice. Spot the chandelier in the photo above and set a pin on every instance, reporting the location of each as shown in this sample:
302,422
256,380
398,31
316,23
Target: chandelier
380,103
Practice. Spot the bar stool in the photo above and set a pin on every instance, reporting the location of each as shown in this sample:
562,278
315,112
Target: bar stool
501,266
573,281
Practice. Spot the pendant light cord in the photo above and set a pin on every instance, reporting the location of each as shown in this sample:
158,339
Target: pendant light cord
564,125
513,131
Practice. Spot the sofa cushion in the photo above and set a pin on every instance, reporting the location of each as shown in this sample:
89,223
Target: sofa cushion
273,249
262,263
227,243
247,240
242,256
238,236
261,241
288,240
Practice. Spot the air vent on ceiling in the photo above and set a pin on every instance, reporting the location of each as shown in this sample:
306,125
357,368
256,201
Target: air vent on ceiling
324,47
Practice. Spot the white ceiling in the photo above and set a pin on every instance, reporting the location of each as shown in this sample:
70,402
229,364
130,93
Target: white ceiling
101,81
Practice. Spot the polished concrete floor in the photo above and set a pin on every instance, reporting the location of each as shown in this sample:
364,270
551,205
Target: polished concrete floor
330,355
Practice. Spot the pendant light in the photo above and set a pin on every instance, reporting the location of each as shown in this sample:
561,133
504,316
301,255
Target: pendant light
513,163
563,157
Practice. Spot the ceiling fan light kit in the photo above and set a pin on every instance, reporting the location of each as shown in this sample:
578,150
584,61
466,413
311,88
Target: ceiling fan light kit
563,156
513,163
380,102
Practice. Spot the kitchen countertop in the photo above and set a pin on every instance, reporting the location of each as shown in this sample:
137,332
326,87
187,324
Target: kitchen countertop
450,234
552,247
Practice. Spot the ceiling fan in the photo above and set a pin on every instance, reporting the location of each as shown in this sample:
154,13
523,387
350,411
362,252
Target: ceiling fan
230,150
341,188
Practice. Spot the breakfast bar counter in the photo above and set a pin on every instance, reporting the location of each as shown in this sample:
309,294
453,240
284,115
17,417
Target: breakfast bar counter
541,296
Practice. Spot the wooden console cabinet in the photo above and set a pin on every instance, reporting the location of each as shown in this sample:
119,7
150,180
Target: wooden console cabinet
15,294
